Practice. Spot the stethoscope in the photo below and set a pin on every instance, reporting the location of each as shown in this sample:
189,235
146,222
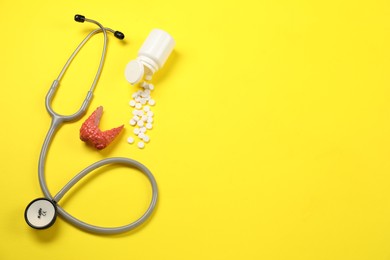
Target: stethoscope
41,213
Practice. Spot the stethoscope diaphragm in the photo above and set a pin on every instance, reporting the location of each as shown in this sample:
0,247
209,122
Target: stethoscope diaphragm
41,213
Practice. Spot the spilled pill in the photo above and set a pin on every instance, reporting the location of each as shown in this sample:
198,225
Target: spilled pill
140,123
151,102
141,145
130,140
149,113
146,139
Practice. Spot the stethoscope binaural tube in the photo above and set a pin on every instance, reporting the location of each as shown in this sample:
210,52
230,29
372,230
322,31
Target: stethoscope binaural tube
41,213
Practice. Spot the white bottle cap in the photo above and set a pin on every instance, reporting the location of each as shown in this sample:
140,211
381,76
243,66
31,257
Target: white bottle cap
134,71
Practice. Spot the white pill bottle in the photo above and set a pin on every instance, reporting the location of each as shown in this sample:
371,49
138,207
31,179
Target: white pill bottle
151,57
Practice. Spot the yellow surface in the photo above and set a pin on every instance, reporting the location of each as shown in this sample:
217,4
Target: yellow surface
271,136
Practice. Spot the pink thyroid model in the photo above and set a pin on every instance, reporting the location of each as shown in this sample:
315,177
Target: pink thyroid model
92,135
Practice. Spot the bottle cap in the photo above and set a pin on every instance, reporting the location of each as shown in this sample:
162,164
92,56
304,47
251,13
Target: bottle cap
134,71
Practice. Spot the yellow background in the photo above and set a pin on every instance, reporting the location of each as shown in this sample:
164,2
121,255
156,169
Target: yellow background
271,136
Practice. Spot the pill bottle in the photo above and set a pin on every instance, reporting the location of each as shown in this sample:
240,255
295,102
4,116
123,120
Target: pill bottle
151,57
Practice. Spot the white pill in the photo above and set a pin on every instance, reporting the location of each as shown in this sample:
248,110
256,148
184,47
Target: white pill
144,94
140,112
136,131
137,99
141,135
135,112
143,84
151,102
149,126
140,123
144,118
132,122
150,86
130,140
141,145
150,113
143,101
146,139
138,106
142,129
136,118
148,77
147,92
150,120
132,103
146,108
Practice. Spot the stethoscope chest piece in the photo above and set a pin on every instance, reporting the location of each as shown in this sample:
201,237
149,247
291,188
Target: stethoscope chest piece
41,213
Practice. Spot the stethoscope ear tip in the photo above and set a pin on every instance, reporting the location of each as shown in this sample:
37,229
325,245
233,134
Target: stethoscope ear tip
119,35
79,18
41,213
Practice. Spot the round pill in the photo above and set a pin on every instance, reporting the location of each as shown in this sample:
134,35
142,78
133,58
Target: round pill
140,112
144,118
136,131
141,145
149,126
142,129
146,139
143,101
132,103
132,122
136,118
150,119
146,108
140,123
148,77
141,135
150,86
135,112
151,102
130,140
149,113
138,106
